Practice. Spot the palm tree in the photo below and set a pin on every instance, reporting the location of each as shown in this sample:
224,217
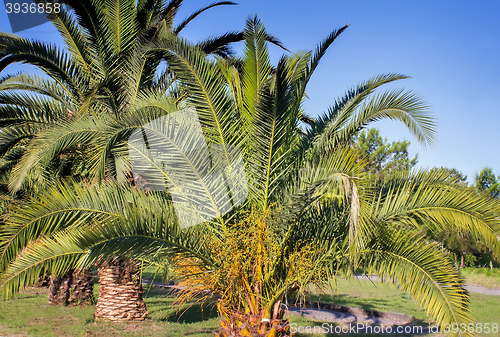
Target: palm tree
309,211
91,77
87,77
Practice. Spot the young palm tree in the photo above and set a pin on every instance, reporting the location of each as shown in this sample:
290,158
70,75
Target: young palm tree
308,212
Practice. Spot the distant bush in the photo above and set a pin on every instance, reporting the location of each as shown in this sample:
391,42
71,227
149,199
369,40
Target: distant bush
470,260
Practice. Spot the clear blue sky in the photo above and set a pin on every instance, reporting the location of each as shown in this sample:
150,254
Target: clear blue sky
450,48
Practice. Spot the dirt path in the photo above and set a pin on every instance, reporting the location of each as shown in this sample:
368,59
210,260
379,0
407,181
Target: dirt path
361,324
482,290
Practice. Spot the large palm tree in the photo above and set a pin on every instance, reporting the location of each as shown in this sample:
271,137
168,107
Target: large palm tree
104,42
103,69
308,212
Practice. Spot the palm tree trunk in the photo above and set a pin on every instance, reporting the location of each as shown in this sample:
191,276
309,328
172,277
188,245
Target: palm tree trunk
120,292
74,287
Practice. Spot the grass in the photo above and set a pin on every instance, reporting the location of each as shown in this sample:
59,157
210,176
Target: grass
30,314
486,277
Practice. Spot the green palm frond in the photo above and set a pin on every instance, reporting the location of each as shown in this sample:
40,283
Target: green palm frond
38,84
56,63
118,132
418,267
147,13
336,180
27,269
123,29
269,124
427,202
71,205
220,44
304,65
351,113
164,20
190,18
398,104
256,66
17,108
340,111
321,50
58,231
14,136
208,94
59,209
75,37
89,17
48,144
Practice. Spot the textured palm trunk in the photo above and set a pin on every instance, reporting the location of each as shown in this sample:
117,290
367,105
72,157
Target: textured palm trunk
120,292
75,287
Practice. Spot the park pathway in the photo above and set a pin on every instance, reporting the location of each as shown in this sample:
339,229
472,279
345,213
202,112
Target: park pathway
470,287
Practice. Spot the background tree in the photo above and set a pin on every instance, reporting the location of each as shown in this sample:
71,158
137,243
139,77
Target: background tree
459,243
487,183
383,157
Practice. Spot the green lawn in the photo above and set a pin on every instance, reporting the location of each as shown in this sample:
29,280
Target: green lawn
486,277
29,313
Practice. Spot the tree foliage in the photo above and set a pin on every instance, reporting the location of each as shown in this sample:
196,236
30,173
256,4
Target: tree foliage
488,183
384,157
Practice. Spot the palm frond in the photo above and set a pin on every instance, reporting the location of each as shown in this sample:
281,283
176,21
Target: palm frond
190,18
56,63
121,18
424,271
256,67
38,84
356,109
398,104
269,124
426,202
75,36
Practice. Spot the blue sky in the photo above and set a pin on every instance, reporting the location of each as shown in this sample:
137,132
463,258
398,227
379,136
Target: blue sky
450,48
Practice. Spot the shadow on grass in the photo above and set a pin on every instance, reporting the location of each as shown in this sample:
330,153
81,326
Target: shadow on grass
351,301
194,313
161,307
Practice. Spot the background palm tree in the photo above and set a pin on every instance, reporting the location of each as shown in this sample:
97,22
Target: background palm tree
104,42
102,71
309,214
